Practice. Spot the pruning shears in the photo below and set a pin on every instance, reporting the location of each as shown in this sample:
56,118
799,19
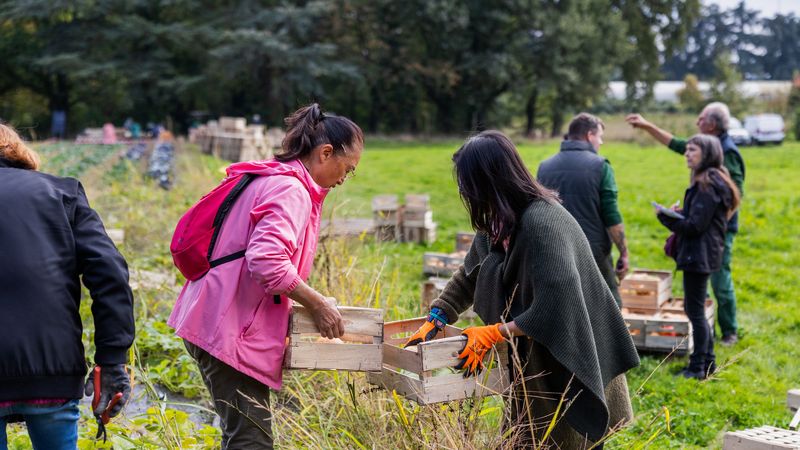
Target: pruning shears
102,418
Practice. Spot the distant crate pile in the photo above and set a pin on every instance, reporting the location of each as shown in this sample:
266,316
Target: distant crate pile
655,319
231,138
446,264
391,221
410,222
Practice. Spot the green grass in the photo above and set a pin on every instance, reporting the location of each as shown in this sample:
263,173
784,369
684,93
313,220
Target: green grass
329,410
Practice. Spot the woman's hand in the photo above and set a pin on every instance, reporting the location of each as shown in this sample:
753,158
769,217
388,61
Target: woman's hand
328,318
323,310
437,319
479,341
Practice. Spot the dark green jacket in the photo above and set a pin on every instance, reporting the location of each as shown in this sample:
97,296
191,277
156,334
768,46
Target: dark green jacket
560,301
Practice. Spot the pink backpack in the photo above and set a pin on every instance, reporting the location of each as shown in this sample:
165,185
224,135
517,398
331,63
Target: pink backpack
198,229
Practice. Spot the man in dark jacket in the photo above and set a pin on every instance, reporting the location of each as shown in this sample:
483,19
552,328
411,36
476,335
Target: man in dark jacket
713,120
585,182
49,239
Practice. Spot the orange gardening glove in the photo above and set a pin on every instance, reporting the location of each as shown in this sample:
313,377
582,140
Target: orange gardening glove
479,341
437,320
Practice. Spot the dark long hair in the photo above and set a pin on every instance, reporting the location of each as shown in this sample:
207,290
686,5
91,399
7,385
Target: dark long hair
309,127
495,185
711,157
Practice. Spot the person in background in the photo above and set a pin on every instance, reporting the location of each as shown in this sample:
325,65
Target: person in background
585,182
50,239
713,120
234,320
531,277
709,203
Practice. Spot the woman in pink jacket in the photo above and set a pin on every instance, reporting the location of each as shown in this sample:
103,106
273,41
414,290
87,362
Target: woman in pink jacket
234,319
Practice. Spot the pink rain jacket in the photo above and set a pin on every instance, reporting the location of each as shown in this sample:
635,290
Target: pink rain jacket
231,312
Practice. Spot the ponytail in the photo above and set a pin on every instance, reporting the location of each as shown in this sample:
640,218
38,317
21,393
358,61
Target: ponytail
14,150
308,128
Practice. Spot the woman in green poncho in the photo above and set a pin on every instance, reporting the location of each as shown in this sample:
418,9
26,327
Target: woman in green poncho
530,276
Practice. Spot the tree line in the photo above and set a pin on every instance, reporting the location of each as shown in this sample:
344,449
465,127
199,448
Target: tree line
445,66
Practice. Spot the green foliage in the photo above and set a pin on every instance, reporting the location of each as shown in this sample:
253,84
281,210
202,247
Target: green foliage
725,85
394,66
690,97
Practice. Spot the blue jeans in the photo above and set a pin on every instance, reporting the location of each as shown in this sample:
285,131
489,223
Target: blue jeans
49,427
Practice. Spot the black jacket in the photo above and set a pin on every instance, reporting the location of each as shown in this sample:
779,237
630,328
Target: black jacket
701,234
49,238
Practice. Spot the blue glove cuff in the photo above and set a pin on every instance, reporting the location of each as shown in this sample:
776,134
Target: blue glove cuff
438,317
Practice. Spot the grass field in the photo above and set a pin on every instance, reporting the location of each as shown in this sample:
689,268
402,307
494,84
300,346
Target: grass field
330,410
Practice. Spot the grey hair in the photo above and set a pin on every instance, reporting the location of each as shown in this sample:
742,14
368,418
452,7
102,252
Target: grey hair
719,114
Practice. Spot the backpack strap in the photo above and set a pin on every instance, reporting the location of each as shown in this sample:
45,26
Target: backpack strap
222,212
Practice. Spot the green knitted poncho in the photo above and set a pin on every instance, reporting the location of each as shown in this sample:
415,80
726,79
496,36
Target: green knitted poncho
560,300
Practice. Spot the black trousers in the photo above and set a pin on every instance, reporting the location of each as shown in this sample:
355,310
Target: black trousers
695,286
245,424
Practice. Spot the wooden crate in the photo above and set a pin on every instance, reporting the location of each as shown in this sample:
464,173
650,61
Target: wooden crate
793,402
441,264
416,218
761,438
422,372
646,289
793,399
385,210
359,349
464,241
233,123
431,290
386,233
346,227
636,326
419,235
666,330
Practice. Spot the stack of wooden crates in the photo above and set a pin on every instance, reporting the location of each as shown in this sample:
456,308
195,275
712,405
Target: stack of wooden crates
411,222
231,138
654,318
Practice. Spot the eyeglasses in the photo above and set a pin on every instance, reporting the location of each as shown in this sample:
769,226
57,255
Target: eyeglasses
350,174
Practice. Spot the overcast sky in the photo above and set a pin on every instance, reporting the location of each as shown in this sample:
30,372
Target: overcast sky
768,8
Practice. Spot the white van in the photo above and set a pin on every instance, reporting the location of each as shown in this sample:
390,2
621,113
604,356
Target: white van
765,128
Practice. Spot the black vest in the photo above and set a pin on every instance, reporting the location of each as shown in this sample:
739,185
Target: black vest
576,173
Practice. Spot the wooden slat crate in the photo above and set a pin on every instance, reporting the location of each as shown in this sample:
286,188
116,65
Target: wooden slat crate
385,210
793,402
416,212
431,290
441,264
646,289
348,227
386,233
464,241
761,438
422,372
419,235
665,330
233,123
360,349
